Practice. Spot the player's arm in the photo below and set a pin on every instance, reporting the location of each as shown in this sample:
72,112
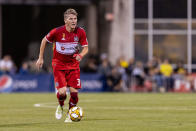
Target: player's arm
84,43
82,53
40,60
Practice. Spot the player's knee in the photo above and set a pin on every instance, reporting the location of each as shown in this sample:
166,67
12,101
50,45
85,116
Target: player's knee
62,91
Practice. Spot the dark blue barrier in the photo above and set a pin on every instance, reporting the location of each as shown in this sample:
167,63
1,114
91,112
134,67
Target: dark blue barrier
33,83
26,83
92,82
45,83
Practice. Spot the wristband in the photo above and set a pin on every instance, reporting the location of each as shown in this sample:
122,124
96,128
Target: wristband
80,56
77,55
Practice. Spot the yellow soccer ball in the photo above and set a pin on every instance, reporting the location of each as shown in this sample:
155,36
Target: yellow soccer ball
76,113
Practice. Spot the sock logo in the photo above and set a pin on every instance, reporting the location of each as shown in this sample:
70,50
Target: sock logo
72,104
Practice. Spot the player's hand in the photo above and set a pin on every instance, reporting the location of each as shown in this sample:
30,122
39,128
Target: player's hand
78,57
39,63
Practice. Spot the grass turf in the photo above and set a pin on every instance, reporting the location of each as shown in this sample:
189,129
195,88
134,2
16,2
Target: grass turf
102,112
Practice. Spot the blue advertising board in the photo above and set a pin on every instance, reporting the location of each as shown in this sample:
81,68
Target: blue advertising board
33,83
27,83
45,83
91,82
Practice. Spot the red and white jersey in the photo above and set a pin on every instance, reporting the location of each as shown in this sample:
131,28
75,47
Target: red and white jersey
66,44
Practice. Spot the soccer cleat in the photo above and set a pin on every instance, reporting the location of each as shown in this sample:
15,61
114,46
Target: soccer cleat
59,112
67,119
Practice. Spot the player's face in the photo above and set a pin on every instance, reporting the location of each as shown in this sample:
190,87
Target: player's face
71,21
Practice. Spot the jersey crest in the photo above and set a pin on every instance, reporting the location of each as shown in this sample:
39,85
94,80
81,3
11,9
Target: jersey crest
76,39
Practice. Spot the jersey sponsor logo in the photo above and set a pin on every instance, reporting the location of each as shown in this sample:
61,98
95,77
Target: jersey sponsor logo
62,48
67,48
76,39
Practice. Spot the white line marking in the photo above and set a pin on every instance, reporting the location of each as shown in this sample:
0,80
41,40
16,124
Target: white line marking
177,108
37,105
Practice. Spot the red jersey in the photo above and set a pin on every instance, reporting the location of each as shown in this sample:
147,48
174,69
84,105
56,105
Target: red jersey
66,44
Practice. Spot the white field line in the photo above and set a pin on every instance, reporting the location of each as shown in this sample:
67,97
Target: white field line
176,108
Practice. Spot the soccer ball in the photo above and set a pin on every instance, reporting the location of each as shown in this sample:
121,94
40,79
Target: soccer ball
76,113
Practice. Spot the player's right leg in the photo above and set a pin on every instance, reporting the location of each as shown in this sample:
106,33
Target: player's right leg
61,95
60,85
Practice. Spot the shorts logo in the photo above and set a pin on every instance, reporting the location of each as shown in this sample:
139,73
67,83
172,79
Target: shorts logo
56,84
76,39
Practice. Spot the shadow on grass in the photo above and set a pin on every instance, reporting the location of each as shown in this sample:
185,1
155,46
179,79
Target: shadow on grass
23,124
45,123
99,119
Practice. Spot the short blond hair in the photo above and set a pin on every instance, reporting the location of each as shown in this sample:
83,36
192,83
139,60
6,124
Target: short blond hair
70,11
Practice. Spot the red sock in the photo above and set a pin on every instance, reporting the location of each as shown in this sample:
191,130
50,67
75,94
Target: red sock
61,98
73,99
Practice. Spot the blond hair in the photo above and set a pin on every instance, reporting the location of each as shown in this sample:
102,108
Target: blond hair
70,11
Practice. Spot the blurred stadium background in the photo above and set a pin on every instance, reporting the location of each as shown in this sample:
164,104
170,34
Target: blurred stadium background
135,45
143,46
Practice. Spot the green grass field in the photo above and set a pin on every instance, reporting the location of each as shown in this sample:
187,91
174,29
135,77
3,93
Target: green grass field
102,112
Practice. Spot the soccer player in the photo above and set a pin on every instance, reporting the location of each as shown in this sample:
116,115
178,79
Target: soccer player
66,59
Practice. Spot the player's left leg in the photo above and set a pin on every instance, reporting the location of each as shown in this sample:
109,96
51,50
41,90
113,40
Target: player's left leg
72,102
73,97
74,84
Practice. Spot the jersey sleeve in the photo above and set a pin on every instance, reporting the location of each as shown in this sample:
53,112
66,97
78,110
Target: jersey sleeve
50,37
83,40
